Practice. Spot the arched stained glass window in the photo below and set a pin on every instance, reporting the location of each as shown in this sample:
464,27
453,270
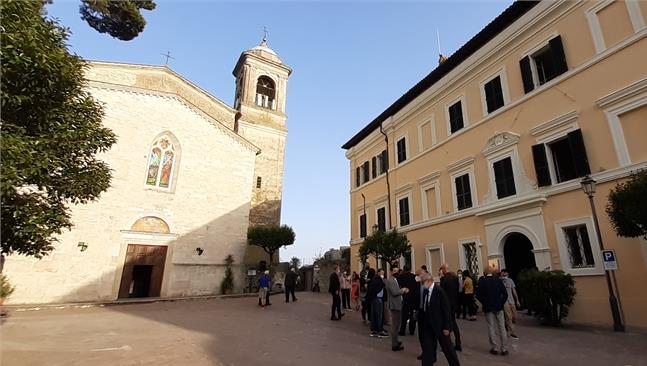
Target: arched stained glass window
161,162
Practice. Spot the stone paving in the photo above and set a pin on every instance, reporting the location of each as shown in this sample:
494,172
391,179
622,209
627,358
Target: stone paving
236,332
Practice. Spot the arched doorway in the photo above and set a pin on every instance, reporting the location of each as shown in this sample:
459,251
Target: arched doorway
144,264
517,254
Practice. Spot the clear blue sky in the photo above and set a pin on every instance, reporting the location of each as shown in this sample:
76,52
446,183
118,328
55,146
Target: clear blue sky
351,60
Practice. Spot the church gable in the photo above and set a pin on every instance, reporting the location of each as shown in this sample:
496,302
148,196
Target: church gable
159,80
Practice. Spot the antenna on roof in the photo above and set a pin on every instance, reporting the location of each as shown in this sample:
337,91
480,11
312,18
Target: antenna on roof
441,58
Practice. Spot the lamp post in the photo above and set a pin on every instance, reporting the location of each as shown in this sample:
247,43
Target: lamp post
588,186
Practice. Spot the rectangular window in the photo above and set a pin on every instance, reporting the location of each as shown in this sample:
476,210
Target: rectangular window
463,192
374,167
384,166
404,211
579,247
493,94
471,258
365,172
504,178
402,150
456,117
430,195
362,226
568,158
381,219
358,177
258,182
544,65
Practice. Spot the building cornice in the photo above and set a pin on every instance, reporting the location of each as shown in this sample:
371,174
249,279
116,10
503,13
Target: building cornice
625,93
457,165
554,123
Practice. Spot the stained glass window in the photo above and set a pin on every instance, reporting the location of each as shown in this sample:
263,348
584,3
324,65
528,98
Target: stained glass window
160,163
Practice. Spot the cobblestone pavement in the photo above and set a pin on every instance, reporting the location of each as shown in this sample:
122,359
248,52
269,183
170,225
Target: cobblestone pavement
236,332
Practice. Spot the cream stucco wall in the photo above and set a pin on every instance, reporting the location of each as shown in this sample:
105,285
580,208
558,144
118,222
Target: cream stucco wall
603,93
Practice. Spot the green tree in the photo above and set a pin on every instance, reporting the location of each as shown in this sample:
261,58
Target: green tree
51,131
295,263
270,238
387,245
121,19
627,206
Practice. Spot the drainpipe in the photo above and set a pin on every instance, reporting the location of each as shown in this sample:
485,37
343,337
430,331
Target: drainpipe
388,166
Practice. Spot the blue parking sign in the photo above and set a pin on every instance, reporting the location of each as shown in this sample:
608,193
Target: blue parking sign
609,260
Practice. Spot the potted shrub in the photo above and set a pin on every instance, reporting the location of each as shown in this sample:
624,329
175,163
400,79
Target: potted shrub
548,294
227,285
5,288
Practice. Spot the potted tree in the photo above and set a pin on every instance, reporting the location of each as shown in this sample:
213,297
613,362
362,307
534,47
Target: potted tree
227,285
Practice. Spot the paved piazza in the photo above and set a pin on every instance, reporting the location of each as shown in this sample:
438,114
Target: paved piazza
236,332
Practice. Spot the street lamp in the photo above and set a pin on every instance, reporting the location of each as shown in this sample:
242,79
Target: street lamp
588,186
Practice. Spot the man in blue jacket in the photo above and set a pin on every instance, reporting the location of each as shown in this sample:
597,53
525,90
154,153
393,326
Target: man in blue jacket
492,294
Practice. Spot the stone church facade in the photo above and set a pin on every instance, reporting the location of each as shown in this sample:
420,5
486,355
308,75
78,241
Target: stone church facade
190,175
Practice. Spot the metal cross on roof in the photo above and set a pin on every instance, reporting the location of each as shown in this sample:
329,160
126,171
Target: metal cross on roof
265,32
168,56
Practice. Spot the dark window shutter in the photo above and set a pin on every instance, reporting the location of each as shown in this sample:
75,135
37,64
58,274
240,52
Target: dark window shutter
357,177
578,151
374,166
541,165
385,161
367,176
558,55
526,74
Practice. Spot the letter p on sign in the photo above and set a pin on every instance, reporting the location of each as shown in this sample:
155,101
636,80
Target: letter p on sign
609,260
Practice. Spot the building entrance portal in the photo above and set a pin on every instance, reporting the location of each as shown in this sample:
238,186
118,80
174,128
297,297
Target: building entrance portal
518,255
143,271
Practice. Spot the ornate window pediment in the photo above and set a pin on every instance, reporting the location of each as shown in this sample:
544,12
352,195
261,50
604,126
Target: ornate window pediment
500,141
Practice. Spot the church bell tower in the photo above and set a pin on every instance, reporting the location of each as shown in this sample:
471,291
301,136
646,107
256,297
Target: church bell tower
261,86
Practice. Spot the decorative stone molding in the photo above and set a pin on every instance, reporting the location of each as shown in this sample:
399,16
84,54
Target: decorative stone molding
554,123
500,141
625,93
429,177
402,189
460,164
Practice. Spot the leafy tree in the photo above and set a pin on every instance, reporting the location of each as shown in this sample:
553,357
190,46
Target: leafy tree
386,245
627,206
270,238
51,131
121,19
295,263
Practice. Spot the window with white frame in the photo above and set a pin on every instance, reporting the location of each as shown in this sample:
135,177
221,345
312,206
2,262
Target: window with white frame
455,115
561,159
381,218
404,216
362,226
578,247
379,164
504,178
543,64
470,257
463,191
493,91
401,150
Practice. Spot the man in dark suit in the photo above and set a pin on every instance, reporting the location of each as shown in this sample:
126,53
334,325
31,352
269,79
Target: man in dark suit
435,323
333,289
449,283
291,279
406,279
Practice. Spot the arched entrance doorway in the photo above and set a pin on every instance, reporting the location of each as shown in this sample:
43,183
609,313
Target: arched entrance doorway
517,254
144,264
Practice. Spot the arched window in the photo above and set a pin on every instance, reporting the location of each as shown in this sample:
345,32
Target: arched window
161,162
265,92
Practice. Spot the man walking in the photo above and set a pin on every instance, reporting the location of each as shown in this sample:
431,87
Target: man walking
450,284
375,296
435,323
333,289
395,306
492,295
291,279
406,279
510,307
263,289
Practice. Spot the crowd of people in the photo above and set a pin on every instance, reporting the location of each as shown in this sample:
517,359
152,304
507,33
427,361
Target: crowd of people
417,301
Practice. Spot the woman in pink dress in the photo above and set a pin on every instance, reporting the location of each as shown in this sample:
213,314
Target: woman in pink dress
354,291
